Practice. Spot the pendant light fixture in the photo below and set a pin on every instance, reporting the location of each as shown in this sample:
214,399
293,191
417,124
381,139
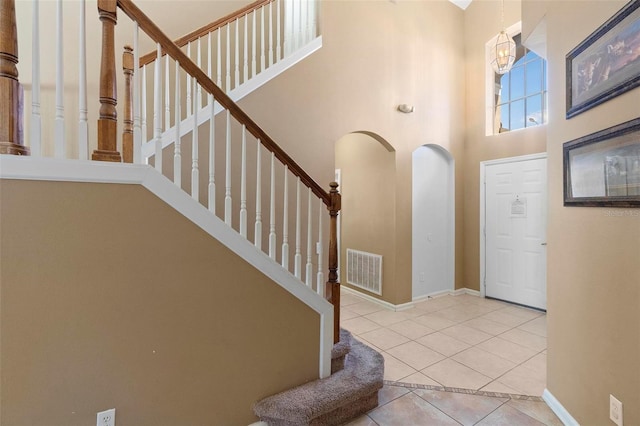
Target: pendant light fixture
503,52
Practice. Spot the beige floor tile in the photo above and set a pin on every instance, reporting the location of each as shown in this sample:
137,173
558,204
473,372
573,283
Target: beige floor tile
525,381
484,362
536,326
523,312
526,339
508,416
420,379
536,409
457,313
427,307
410,409
389,393
494,304
505,318
348,299
466,409
488,326
415,355
537,364
453,374
434,321
346,314
411,329
497,386
442,343
386,318
363,420
384,338
507,350
479,309
359,325
467,334
364,308
394,369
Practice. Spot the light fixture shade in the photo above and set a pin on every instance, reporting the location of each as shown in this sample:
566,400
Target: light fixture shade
503,53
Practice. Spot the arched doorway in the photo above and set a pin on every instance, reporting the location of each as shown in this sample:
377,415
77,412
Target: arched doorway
433,221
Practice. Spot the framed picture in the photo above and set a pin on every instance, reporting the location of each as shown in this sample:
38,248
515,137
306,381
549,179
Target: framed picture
607,63
603,168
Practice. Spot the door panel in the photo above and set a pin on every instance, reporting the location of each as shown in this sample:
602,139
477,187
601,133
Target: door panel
515,232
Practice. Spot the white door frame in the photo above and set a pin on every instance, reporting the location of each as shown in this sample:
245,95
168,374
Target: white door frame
483,164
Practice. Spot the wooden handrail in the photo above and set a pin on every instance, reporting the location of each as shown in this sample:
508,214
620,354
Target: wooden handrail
152,30
200,32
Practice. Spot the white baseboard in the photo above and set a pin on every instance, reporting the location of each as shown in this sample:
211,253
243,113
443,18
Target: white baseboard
558,409
409,305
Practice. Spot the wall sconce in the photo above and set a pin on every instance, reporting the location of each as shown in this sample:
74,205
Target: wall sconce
407,109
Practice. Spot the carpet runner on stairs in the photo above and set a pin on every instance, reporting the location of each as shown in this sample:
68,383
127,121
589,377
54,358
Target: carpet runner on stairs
343,396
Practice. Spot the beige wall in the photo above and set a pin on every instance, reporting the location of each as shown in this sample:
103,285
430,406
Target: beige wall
593,256
368,171
375,55
110,298
482,21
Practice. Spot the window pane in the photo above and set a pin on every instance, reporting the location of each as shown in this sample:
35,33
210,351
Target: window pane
530,56
517,115
517,82
534,77
504,88
502,118
534,111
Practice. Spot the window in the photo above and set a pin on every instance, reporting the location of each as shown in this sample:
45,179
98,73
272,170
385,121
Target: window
520,96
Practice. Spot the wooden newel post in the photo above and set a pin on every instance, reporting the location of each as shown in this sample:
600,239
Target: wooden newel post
10,117
127,132
333,286
108,121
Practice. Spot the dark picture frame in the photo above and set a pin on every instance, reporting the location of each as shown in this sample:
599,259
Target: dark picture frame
603,169
607,63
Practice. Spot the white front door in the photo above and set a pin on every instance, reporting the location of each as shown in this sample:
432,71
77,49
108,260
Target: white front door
515,231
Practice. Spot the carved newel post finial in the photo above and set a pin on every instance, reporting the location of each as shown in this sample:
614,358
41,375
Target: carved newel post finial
333,286
108,121
10,99
127,132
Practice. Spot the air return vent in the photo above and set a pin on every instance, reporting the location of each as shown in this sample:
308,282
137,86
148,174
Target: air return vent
364,270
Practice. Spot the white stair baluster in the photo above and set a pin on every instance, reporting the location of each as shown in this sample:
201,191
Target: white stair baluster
157,109
167,96
212,156
83,127
303,22
253,44
198,94
309,266
278,29
245,60
177,148
314,19
209,66
257,237
270,33
320,283
228,83
59,117
285,221
143,109
137,132
195,172
219,60
36,119
243,185
272,210
188,94
297,265
236,75
227,190
262,53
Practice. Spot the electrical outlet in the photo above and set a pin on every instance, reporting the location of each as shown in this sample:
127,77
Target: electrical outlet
107,418
615,410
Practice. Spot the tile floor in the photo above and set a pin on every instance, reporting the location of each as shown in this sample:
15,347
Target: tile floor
461,341
405,406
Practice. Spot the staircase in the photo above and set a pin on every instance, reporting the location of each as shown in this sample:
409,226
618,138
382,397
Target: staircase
202,146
